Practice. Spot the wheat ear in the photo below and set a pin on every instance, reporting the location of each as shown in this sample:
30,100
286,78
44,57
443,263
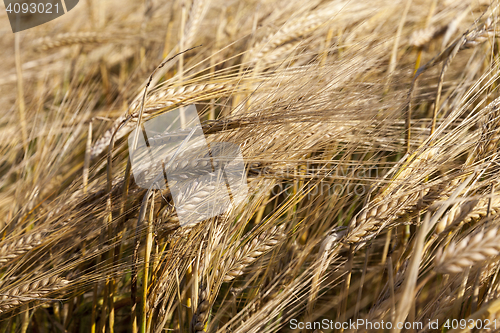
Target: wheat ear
16,248
249,253
474,210
196,13
29,292
422,37
234,266
201,314
469,251
468,40
296,29
389,204
70,38
159,100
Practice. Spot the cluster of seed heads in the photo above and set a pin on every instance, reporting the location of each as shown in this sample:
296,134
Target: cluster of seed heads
290,32
166,138
30,292
421,37
201,315
14,249
476,37
387,207
176,95
469,211
469,251
370,220
155,101
251,252
70,38
234,266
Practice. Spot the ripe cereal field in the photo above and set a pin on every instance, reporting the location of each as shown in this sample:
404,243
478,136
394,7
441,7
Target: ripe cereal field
368,133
